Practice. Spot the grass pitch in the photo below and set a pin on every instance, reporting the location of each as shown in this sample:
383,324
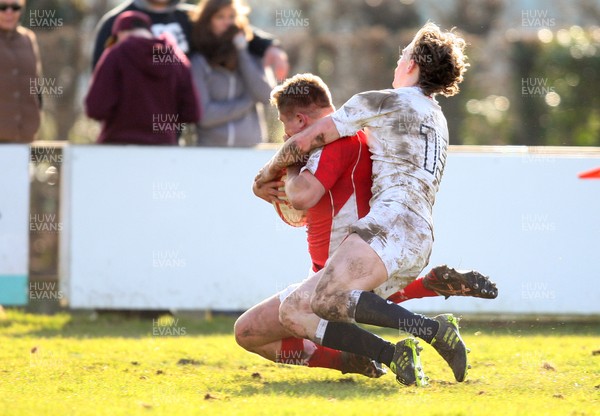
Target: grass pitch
70,364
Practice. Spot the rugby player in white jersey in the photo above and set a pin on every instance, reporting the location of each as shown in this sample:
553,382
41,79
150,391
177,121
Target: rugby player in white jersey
334,187
407,136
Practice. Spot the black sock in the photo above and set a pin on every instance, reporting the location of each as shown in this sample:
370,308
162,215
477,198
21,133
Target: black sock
351,338
374,310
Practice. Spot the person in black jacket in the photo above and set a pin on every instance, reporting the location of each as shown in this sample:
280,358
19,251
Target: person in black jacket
172,16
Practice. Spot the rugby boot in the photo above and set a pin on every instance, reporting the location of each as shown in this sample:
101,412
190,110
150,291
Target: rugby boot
447,281
448,343
406,363
359,364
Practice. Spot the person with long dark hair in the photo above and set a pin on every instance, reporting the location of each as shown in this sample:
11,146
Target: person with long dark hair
231,82
173,17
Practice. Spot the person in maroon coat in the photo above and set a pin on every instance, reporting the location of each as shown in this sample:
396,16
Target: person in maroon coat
142,88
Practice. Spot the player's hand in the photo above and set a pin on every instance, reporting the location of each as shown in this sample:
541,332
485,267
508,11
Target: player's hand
264,176
270,191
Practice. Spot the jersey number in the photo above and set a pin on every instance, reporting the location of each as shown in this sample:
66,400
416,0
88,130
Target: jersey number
432,148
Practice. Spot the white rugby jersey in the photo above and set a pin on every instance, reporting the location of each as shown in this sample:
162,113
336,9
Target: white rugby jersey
407,135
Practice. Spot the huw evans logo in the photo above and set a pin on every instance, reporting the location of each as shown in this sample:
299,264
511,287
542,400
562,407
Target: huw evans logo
166,123
536,18
535,86
290,18
44,223
40,18
45,86
167,326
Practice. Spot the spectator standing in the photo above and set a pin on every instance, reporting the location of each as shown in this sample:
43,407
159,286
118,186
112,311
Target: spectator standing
142,88
173,16
231,81
20,68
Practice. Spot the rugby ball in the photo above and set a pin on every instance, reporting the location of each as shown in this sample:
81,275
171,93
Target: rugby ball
289,214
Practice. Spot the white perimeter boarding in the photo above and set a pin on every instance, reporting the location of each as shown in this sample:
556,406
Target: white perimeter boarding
179,228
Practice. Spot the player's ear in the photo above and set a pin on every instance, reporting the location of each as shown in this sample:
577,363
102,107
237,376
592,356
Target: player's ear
302,120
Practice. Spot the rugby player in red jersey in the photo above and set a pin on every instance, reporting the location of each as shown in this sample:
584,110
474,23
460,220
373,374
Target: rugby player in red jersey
334,187
407,134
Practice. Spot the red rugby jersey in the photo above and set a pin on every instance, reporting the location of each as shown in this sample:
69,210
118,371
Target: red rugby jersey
344,169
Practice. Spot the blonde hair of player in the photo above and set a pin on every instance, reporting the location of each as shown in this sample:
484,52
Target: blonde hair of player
302,92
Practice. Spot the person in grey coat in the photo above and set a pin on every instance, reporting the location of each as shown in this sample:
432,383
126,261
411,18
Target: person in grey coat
231,82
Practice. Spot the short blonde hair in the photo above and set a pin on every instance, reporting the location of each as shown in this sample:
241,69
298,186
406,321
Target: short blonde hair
303,91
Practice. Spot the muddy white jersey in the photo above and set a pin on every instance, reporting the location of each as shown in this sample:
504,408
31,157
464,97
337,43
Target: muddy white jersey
407,135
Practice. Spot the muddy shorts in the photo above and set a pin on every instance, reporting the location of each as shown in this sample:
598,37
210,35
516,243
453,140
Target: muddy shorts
402,239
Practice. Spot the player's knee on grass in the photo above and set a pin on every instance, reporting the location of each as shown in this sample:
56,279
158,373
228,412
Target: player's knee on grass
238,331
242,332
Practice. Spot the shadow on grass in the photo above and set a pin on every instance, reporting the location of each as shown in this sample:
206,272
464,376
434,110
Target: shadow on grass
340,389
112,324
345,387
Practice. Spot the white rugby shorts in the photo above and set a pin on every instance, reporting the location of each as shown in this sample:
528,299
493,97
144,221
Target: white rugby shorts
402,239
288,290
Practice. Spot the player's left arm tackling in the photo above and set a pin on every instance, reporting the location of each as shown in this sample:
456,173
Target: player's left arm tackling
296,149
